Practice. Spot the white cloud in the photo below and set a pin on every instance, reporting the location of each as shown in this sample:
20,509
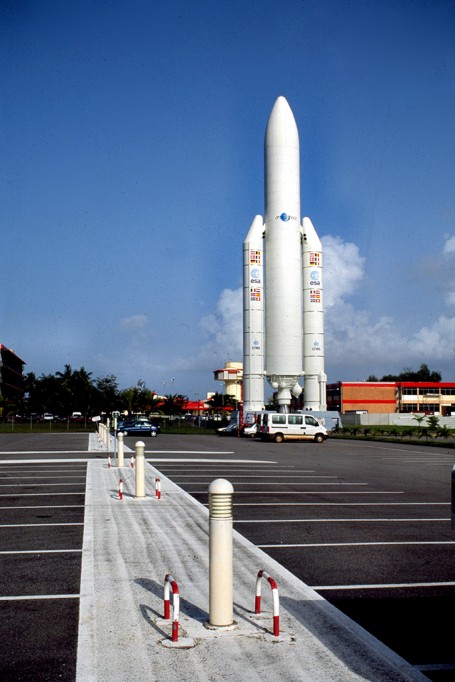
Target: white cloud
436,340
449,246
134,322
343,269
225,326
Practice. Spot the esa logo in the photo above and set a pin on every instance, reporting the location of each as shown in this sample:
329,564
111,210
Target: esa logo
285,218
255,276
314,278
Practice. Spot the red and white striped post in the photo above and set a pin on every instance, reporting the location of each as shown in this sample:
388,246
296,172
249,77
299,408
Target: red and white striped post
120,489
169,583
276,600
158,488
109,462
132,462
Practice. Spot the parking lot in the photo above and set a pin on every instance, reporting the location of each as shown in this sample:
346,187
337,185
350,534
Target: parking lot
42,494
366,524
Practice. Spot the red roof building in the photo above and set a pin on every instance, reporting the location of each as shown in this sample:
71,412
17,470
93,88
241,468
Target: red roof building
392,396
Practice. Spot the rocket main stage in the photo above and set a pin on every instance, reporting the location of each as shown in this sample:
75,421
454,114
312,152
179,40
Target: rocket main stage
292,320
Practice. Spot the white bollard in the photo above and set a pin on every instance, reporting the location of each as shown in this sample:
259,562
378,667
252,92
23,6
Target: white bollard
107,433
140,447
120,455
220,553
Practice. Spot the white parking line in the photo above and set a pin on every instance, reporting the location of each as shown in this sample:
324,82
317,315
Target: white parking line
192,452
36,494
77,460
45,551
40,596
37,485
384,586
261,476
205,461
43,452
40,525
48,506
346,520
34,478
341,504
307,492
361,544
337,483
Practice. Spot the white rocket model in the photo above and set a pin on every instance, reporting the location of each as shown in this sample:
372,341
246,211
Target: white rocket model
293,297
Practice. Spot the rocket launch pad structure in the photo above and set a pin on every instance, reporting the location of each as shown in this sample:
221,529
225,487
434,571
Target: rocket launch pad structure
283,316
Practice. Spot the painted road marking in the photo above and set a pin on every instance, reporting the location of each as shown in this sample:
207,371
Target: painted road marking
363,544
381,586
339,504
40,596
39,525
48,506
44,551
346,520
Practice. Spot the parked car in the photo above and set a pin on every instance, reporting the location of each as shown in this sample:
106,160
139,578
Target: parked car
138,427
229,430
48,417
250,430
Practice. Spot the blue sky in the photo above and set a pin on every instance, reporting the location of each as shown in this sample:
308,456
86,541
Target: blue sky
132,166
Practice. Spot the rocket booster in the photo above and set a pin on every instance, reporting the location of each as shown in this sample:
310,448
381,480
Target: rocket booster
253,316
315,380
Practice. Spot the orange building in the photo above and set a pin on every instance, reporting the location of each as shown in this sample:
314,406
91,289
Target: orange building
392,396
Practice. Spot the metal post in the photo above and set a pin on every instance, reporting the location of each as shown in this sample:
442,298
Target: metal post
114,423
220,553
120,461
140,447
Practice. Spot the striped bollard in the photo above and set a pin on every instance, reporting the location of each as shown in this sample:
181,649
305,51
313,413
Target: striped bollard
158,488
120,489
276,601
169,582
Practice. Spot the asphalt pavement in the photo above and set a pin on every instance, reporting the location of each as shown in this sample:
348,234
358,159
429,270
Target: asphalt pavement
127,547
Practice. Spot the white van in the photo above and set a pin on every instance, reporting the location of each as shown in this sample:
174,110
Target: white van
278,426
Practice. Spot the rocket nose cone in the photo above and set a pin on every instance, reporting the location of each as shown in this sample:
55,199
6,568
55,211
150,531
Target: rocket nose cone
281,126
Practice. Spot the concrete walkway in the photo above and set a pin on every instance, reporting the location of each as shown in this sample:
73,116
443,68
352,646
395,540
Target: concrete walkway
130,545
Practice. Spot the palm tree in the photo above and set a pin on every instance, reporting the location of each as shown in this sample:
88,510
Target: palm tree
76,389
174,404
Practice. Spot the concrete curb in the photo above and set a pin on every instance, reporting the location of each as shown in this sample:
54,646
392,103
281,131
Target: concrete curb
130,545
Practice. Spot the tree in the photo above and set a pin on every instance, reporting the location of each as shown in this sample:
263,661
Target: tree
137,398
105,394
219,401
76,390
422,374
174,404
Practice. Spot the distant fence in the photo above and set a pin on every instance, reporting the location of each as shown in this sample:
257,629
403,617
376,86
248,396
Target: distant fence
391,419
